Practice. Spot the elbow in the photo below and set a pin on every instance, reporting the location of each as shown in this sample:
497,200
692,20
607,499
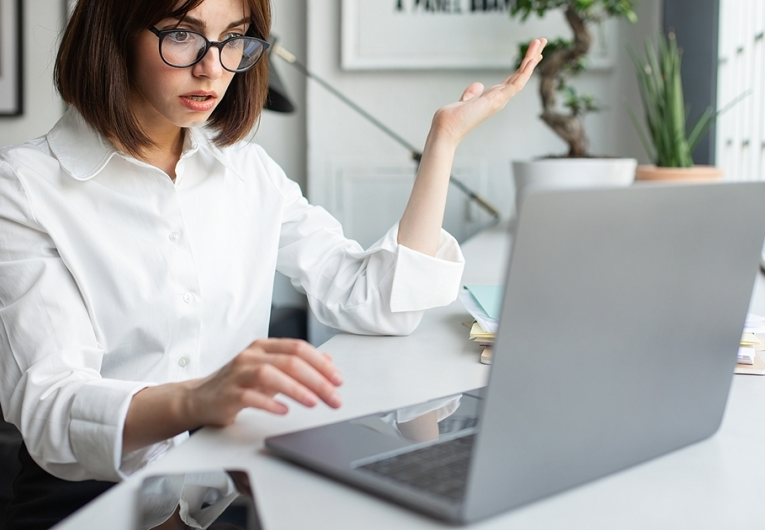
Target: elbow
370,322
398,324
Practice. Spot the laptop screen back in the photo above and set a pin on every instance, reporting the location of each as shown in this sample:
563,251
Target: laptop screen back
618,336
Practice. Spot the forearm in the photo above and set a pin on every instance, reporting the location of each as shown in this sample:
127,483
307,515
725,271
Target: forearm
420,226
421,223
157,413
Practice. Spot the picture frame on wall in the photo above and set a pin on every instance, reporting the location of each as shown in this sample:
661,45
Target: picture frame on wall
451,34
11,58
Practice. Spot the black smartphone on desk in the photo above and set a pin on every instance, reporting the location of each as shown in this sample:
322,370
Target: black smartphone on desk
219,499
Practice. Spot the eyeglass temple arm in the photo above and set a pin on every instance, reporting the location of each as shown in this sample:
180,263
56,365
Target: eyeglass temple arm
290,58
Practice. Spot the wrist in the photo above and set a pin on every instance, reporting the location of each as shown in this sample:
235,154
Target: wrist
441,138
444,130
157,413
186,407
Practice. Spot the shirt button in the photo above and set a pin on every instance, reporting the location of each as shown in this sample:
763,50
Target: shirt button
183,362
174,236
188,298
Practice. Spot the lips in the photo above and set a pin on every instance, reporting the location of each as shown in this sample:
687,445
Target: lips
199,102
201,95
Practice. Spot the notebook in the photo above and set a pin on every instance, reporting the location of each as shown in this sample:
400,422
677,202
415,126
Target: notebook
635,281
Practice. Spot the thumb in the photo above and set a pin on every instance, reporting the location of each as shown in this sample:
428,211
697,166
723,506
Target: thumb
473,91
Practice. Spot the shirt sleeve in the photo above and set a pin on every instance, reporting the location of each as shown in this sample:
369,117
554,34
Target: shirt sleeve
71,419
381,290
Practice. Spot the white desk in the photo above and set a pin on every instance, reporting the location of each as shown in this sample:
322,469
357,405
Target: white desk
718,483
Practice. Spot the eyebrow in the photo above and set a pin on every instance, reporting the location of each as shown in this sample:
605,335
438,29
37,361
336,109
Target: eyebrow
201,25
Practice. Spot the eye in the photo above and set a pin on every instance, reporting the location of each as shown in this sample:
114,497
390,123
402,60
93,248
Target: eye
234,41
179,37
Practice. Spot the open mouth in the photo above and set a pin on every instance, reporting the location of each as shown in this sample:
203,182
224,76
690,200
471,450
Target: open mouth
199,98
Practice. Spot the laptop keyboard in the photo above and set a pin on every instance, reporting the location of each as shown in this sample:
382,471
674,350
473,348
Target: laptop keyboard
440,469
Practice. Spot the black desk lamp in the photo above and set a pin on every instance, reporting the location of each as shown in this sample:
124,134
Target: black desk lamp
277,100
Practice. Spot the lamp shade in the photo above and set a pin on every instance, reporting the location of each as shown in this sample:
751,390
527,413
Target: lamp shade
277,99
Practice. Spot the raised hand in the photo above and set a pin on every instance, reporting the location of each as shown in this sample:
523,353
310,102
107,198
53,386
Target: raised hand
420,226
457,119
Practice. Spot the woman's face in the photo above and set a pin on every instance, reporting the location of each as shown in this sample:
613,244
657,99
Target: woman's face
166,98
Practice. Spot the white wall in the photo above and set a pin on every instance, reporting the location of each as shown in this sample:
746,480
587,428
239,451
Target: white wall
42,106
350,160
282,135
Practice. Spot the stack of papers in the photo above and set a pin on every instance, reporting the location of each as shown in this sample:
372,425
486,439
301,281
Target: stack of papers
754,324
484,303
485,340
748,362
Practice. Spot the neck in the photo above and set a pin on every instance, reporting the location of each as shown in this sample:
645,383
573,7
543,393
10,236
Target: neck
166,152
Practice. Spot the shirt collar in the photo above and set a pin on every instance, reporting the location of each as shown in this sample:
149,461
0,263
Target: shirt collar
199,137
80,150
83,152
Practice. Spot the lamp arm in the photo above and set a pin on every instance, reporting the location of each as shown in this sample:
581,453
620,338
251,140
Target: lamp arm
416,154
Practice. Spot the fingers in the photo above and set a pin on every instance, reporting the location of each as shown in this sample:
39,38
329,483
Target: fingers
258,400
293,368
513,84
520,77
266,368
533,54
299,348
300,381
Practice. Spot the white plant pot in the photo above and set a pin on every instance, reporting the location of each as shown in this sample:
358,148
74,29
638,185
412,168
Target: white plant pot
566,173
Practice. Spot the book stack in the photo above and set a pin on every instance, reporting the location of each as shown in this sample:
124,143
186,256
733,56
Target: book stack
483,302
485,340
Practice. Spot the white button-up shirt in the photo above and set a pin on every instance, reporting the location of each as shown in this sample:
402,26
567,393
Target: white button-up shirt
113,277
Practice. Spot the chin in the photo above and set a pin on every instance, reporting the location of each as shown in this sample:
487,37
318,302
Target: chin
195,121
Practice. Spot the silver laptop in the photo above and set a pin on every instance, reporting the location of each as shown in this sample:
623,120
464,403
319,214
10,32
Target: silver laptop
621,319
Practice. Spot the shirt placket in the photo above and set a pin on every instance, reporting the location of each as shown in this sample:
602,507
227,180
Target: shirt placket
184,350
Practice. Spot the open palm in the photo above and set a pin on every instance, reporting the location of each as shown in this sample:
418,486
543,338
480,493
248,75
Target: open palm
476,104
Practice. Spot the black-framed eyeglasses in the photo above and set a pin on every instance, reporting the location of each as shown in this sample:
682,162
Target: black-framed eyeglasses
181,48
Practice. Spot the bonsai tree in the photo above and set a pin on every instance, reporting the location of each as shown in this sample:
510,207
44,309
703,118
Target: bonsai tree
564,59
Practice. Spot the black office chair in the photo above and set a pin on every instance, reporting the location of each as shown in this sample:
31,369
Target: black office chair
10,441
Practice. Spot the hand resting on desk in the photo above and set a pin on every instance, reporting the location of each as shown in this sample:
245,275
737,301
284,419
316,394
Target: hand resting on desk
268,367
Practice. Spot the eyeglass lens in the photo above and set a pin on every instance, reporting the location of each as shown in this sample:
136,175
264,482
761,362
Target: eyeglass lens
184,48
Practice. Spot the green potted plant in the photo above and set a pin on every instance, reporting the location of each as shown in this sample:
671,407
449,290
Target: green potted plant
563,107
666,137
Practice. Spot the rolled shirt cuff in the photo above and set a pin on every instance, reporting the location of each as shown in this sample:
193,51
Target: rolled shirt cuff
98,419
422,282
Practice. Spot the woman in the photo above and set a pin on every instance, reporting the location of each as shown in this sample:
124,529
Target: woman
140,238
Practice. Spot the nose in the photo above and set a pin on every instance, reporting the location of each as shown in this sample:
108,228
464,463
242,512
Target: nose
210,65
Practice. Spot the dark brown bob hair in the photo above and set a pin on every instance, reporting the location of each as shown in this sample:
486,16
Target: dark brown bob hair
93,65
